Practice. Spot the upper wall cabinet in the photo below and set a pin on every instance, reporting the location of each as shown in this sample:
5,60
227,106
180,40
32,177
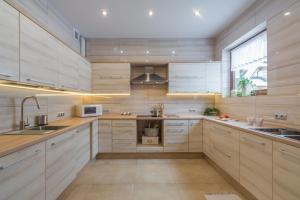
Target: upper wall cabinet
194,77
9,42
38,55
85,74
111,78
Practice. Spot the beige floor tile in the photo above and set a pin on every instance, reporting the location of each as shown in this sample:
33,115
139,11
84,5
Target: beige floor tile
156,191
154,173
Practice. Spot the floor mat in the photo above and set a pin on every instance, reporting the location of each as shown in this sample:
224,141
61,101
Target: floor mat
222,197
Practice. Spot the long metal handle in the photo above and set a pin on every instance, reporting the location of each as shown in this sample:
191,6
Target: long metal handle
178,124
25,158
62,141
249,141
293,155
6,75
221,152
39,81
186,77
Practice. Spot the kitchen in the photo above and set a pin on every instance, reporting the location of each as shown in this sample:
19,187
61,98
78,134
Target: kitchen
146,99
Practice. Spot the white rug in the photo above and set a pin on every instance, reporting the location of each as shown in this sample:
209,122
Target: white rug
222,197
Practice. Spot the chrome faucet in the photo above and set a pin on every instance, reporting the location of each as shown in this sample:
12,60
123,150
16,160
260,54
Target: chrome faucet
23,124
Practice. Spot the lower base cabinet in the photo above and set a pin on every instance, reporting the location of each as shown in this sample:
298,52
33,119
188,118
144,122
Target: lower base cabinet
22,174
256,165
286,172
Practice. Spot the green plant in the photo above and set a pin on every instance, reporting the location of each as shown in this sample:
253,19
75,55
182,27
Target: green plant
243,84
212,111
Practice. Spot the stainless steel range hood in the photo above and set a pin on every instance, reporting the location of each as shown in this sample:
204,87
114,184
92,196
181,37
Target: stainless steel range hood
149,78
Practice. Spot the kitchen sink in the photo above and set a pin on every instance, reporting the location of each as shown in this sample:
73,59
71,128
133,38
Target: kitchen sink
39,130
283,132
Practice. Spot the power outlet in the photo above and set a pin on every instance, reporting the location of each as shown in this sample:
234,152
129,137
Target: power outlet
281,116
60,114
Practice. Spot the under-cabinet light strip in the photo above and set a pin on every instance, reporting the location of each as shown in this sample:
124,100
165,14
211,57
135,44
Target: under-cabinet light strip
191,94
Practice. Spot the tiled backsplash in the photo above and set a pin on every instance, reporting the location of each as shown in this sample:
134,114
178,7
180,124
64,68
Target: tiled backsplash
10,107
143,98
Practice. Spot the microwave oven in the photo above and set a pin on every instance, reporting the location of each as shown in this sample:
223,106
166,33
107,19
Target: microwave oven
89,110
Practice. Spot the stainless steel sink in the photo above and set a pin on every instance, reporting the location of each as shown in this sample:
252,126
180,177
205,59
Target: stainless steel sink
40,130
283,132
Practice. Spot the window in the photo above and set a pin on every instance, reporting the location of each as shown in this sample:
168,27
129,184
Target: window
249,66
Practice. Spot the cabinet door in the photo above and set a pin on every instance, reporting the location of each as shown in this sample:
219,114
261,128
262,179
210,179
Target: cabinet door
94,139
195,136
22,174
187,78
256,165
225,148
85,74
68,72
111,77
286,172
105,136
83,148
38,56
60,164
9,42
213,77
207,143
176,136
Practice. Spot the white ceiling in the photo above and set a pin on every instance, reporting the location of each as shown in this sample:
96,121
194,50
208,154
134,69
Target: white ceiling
172,18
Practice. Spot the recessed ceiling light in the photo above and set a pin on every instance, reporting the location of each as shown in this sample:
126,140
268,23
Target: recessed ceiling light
150,13
121,52
147,52
287,13
173,52
104,12
197,13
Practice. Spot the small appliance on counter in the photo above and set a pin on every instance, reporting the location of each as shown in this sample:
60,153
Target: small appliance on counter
91,110
41,120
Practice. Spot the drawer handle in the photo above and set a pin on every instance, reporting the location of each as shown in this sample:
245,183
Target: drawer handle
175,124
249,141
39,81
123,124
221,152
293,155
175,131
26,158
62,141
6,75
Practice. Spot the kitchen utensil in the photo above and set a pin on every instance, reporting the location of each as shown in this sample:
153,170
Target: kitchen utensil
41,120
151,132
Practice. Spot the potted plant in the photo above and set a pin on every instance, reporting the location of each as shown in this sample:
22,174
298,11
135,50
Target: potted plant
243,84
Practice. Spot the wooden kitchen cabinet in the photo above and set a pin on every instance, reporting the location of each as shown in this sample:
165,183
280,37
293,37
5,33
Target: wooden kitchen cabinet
195,136
224,148
176,136
9,42
39,64
60,164
286,172
22,174
256,165
124,135
105,136
194,77
207,141
85,74
95,139
111,78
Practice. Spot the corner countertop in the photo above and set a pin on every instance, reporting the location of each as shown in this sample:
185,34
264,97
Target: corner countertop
115,116
13,143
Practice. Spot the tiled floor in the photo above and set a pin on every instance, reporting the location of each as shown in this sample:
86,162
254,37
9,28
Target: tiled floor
148,179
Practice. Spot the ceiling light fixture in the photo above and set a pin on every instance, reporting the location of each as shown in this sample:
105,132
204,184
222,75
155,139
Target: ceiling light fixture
121,52
104,13
197,13
173,52
147,52
150,13
287,13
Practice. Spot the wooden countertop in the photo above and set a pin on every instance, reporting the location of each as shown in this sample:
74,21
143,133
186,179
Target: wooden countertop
13,143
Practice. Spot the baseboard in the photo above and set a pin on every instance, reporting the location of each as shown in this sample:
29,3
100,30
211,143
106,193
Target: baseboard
149,155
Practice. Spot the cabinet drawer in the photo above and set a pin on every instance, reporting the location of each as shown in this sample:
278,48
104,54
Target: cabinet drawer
104,126
195,147
286,173
123,146
121,123
176,139
176,147
22,174
195,123
124,133
176,130
256,165
105,145
105,135
175,123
